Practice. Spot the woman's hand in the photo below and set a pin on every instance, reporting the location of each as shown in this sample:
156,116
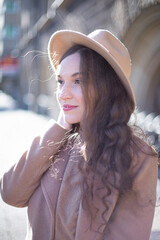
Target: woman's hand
61,121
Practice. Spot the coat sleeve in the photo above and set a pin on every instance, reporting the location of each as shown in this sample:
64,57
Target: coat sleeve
18,184
133,215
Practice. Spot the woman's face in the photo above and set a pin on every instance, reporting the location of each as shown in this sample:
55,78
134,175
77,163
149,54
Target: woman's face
69,92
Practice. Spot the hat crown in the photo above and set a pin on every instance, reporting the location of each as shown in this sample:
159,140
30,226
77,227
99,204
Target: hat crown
114,47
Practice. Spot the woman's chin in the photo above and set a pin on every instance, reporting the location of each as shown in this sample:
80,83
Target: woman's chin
72,121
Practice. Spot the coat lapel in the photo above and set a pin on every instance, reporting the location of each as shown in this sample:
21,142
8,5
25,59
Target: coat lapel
51,183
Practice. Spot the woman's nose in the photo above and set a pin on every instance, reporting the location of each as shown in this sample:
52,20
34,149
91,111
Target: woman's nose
65,92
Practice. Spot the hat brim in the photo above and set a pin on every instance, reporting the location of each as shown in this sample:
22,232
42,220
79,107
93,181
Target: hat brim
62,40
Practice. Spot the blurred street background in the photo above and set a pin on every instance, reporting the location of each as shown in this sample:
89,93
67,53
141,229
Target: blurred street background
17,129
27,86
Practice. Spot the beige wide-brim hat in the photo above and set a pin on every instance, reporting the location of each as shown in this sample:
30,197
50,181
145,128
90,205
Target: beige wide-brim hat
101,41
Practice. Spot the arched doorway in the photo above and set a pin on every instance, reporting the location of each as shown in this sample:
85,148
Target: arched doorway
143,41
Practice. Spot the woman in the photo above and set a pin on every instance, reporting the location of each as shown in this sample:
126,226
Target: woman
88,176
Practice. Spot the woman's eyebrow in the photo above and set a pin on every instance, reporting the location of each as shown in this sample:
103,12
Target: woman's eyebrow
76,74
73,75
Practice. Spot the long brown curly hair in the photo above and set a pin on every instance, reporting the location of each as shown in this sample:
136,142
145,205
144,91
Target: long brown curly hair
106,135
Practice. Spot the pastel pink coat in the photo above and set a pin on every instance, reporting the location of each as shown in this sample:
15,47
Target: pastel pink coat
53,195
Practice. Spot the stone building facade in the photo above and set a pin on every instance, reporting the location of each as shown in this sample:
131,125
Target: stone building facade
136,23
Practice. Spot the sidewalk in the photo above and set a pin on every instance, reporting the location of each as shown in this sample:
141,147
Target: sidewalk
17,129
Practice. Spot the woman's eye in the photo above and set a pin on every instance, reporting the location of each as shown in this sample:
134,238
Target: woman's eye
60,82
77,81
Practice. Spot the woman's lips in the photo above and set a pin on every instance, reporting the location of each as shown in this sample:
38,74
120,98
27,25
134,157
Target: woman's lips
67,107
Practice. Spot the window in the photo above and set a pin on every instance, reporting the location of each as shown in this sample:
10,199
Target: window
11,6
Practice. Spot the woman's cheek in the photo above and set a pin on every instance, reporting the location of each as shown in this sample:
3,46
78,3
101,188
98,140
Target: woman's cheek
58,95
